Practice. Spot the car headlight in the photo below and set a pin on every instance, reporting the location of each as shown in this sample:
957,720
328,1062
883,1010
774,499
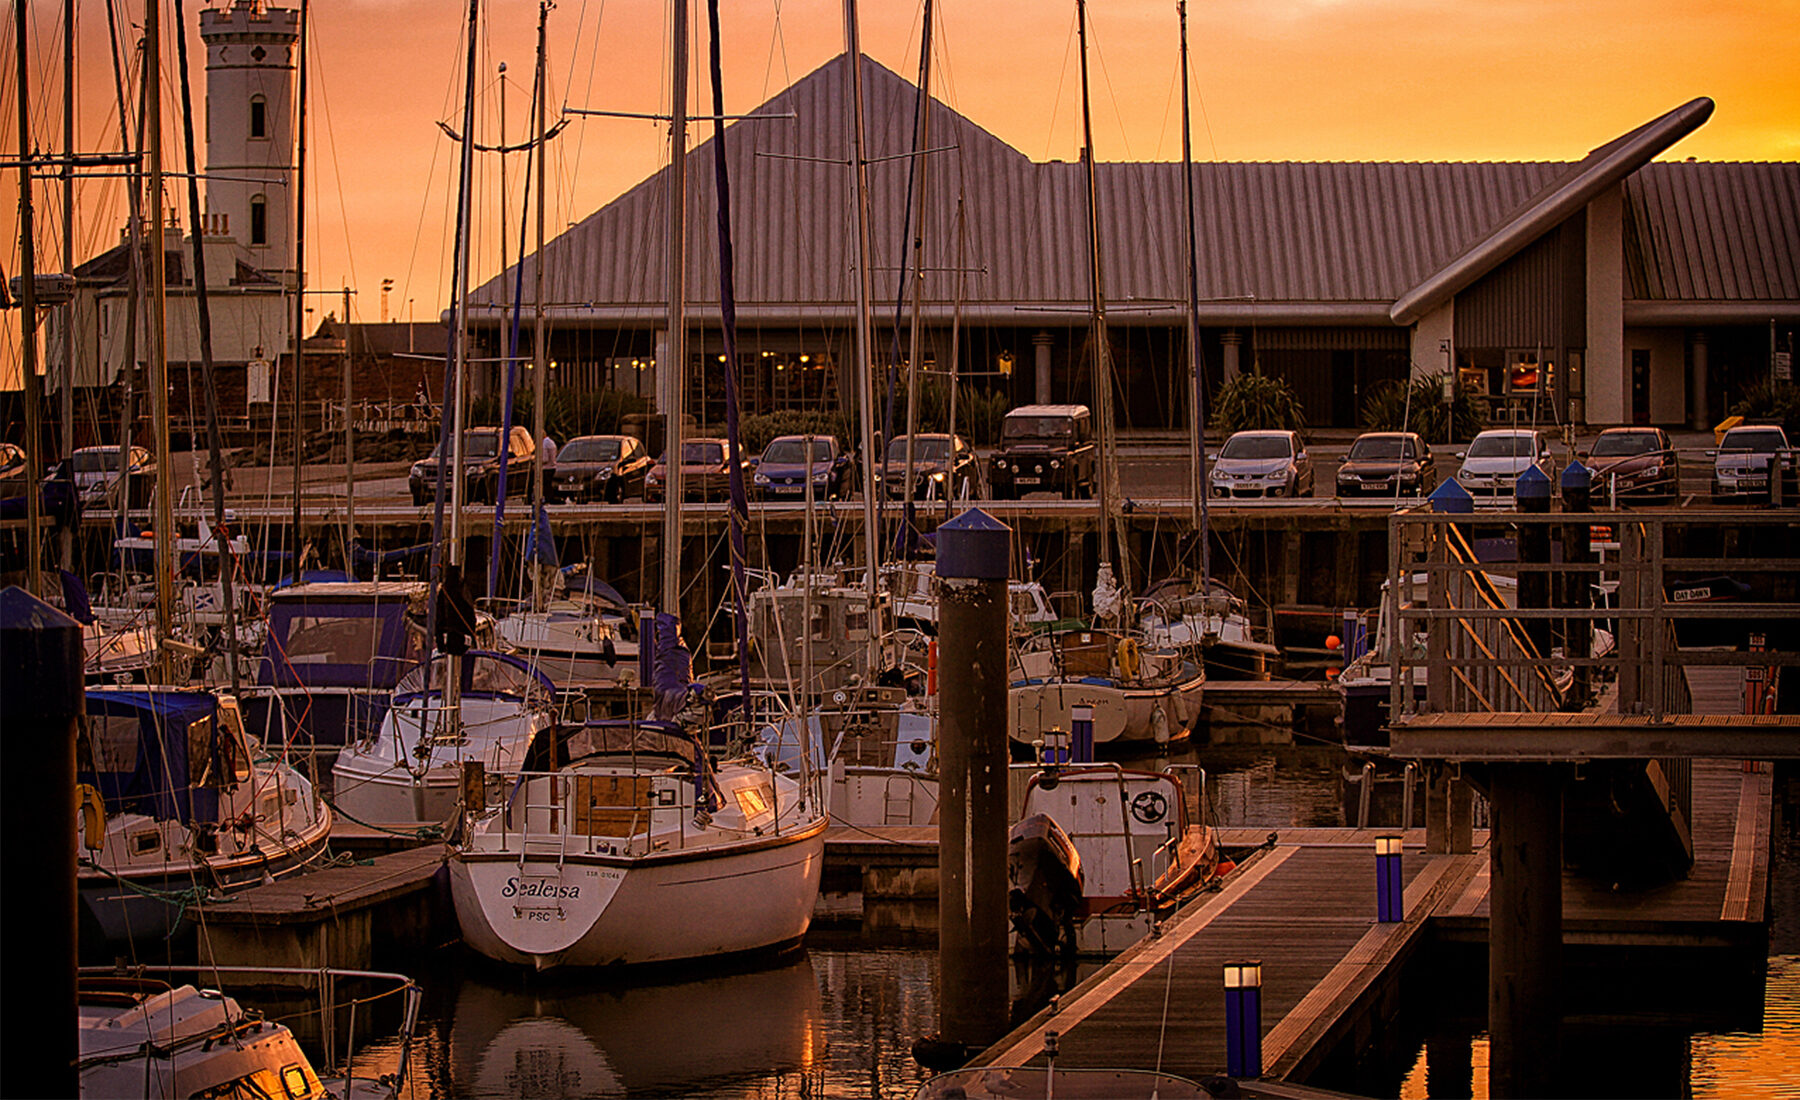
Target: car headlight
1056,464
762,479
1465,475
605,474
821,478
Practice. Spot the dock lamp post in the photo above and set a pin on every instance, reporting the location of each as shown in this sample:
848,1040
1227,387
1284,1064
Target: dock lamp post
1243,1019
1390,889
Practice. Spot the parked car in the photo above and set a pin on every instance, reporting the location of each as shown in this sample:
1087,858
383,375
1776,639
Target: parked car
1495,459
705,471
1044,447
1386,464
942,465
786,463
599,467
1262,464
1635,464
95,471
1741,464
481,467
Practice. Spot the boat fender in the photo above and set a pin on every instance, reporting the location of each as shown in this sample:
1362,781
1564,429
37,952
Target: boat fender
1128,658
609,653
93,816
931,668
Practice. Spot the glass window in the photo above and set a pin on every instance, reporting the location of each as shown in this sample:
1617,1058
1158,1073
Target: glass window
1755,440
793,450
1385,447
926,448
259,220
1055,428
702,454
259,121
1258,446
1620,444
1501,445
590,450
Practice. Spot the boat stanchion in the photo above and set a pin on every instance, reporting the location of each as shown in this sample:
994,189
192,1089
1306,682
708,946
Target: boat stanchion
973,563
1390,888
1243,1019
40,701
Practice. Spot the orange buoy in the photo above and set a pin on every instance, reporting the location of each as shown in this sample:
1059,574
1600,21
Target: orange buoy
1334,643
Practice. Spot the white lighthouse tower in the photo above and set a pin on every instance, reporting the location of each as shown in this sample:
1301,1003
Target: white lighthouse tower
250,118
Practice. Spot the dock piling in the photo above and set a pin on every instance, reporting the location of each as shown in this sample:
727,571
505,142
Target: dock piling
974,561
1243,1019
1390,887
1525,931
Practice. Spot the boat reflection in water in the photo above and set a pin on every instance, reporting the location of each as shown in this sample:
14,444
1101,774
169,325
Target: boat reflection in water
678,1035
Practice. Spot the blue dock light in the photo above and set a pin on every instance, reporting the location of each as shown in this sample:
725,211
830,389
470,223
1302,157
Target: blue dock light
1243,1019
1451,498
1081,729
1390,890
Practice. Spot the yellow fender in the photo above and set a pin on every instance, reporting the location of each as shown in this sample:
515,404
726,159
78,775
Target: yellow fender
93,816
1128,658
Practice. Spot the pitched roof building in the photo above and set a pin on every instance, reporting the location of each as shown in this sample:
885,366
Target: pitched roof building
1630,291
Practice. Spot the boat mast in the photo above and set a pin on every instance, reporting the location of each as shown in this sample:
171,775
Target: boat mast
299,286
459,352
920,135
539,359
1103,405
675,371
865,371
159,351
1197,430
30,386
68,235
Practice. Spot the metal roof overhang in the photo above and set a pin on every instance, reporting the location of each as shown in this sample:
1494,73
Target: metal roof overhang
651,315
1601,169
1709,313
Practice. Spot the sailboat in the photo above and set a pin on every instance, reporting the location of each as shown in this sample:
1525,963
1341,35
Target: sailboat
639,848
1128,691
1201,615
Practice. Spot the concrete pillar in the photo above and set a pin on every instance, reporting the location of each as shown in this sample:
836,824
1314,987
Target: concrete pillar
1433,338
1525,931
1231,341
974,556
1608,375
1699,416
1040,348
40,700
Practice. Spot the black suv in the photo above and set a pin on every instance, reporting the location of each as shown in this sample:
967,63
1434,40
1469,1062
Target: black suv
481,467
1044,448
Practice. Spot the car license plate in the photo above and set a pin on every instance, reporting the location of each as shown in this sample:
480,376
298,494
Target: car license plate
1753,483
787,488
1026,480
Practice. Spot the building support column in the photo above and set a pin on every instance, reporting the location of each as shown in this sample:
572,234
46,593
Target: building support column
1525,931
1040,347
1231,341
1699,416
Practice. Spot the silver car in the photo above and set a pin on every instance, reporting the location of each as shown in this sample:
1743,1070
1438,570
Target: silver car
95,471
1495,459
1262,464
1741,464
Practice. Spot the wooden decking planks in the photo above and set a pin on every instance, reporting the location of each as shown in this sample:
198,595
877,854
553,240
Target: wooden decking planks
1307,912
312,896
1747,884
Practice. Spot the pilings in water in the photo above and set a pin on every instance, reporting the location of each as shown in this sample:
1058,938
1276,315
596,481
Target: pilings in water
40,701
973,563
1525,930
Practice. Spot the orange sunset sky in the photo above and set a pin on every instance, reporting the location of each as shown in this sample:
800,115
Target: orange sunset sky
1272,80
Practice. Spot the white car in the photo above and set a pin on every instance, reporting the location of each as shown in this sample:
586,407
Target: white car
1495,459
1741,464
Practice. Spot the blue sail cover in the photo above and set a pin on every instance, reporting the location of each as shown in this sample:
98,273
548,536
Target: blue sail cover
674,672
148,750
337,643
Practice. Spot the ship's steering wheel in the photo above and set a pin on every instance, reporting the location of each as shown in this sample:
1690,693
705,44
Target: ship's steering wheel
1149,807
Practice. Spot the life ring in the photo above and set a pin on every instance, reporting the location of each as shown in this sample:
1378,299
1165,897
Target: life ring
92,810
1128,658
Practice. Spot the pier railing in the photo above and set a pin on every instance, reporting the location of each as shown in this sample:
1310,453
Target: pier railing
1610,611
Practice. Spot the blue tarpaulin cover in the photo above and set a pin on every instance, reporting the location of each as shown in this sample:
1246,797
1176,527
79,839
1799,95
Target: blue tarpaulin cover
146,754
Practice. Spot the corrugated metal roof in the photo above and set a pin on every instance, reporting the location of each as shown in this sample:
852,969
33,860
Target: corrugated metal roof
1335,239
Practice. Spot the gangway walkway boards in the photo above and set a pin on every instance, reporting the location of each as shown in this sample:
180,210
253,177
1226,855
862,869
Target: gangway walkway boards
1307,912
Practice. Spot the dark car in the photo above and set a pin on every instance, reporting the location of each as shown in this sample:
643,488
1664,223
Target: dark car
95,471
1635,464
481,467
705,471
599,467
785,465
1262,464
942,465
1741,464
1387,464
1044,448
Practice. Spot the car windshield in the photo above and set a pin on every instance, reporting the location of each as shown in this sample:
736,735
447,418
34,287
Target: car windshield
1503,445
926,448
1760,441
784,451
93,462
1258,446
476,445
702,454
1022,428
1378,448
590,450
1621,444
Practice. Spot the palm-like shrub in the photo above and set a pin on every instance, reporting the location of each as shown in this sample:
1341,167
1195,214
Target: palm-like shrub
1253,402
1397,406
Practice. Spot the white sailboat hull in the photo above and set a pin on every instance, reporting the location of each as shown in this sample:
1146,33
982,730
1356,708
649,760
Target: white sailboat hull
599,910
1150,714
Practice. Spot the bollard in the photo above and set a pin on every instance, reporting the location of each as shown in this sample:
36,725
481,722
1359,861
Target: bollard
973,562
1081,734
41,700
1533,495
1243,1019
1390,888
